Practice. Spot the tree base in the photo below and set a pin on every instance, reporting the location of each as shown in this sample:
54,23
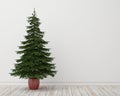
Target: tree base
33,83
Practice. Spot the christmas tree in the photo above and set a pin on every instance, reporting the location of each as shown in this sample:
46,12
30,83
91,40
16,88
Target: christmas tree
35,60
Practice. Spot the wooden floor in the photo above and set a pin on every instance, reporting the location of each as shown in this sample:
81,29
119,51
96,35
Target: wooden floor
83,90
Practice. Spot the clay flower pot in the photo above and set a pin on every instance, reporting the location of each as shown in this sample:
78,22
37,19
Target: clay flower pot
33,83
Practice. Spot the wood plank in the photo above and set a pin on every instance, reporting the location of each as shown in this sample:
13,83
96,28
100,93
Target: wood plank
83,90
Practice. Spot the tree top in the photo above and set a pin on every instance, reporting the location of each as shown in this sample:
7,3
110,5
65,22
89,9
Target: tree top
34,12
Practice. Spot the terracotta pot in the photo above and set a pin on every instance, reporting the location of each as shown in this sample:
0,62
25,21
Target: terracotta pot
33,83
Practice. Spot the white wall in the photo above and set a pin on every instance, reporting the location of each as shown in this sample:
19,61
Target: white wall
84,37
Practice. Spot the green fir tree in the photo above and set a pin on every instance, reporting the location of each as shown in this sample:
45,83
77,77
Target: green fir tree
35,60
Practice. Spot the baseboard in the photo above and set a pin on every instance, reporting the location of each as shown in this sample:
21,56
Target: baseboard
63,83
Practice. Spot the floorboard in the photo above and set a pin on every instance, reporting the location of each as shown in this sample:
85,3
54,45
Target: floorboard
59,90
